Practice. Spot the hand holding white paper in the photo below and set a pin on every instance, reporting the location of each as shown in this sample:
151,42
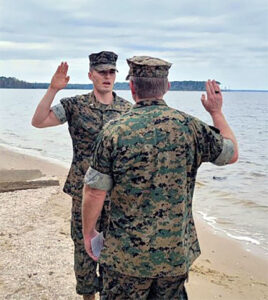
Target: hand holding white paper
97,244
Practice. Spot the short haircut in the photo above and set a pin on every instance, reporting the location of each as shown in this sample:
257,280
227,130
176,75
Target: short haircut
149,87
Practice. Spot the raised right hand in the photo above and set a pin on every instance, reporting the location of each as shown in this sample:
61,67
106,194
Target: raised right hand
60,78
213,102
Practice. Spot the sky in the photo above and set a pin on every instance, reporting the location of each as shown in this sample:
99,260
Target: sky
226,40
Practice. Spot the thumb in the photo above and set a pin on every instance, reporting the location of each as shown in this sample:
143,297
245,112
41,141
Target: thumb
67,79
203,99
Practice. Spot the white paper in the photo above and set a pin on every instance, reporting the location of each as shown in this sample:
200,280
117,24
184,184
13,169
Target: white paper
97,244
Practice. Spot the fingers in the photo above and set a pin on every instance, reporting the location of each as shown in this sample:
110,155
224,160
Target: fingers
212,88
63,68
216,87
203,99
90,253
67,79
209,88
213,102
58,69
95,258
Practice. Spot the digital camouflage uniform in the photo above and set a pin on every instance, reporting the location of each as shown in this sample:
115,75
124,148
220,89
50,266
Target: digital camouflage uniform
85,116
149,159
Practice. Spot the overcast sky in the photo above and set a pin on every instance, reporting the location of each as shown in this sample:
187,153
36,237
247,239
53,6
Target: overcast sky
222,39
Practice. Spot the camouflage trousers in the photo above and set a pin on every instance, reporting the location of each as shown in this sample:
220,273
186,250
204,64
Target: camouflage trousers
87,280
117,286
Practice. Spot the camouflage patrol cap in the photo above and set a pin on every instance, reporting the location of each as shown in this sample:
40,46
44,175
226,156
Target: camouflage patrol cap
104,60
147,66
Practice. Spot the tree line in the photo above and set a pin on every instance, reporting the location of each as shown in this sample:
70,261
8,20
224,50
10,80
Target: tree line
14,83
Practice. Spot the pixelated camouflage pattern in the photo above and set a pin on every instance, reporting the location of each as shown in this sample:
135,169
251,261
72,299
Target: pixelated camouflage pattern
86,117
87,280
59,112
97,180
153,153
146,66
103,60
226,154
118,286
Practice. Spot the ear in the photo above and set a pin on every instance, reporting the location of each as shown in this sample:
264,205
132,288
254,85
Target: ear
169,85
90,75
133,92
131,85
132,88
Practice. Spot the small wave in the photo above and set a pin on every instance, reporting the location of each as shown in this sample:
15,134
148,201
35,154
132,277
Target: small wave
10,133
224,222
243,238
251,204
30,148
212,221
34,153
243,162
200,183
258,174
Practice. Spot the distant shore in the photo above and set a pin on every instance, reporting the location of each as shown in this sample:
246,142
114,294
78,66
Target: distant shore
37,251
186,85
14,83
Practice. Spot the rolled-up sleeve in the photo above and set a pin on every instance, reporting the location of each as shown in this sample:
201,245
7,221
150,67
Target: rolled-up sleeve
99,175
59,112
226,154
97,180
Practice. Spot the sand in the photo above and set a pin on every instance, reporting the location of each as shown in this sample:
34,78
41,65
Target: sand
37,251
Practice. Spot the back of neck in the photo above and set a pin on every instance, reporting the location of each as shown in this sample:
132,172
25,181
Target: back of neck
137,100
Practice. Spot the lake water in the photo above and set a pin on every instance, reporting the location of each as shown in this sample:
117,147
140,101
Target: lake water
232,199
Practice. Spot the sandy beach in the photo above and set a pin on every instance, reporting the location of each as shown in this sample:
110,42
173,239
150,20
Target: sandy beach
37,251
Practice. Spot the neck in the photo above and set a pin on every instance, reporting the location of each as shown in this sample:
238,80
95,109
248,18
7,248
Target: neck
137,100
105,98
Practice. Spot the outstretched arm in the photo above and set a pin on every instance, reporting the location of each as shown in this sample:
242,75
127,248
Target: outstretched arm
213,104
44,116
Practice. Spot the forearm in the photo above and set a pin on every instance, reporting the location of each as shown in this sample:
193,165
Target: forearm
93,200
43,109
220,122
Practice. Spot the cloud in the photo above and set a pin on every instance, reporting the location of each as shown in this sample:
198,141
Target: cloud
193,35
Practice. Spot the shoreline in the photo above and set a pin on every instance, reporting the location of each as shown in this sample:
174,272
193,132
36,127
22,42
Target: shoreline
34,154
39,222
249,244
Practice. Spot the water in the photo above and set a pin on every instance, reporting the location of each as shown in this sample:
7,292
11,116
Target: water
232,199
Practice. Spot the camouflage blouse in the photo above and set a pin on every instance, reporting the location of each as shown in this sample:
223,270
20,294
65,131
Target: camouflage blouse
149,157
86,117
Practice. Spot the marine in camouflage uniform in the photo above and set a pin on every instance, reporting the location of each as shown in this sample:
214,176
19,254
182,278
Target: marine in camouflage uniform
86,116
148,158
